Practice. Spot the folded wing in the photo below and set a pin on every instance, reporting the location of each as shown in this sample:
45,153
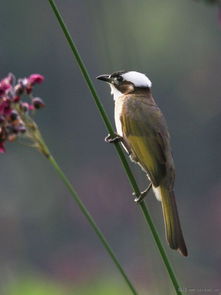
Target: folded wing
145,131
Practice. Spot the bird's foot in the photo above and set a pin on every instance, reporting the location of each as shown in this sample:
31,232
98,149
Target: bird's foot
143,194
113,139
117,138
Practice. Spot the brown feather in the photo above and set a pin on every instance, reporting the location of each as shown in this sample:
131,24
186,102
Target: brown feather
145,132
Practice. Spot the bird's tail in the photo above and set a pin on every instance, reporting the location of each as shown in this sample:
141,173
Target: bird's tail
173,229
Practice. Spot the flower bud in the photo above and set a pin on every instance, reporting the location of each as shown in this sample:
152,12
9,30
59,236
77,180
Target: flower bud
4,86
38,103
19,89
28,89
35,79
16,98
13,115
24,106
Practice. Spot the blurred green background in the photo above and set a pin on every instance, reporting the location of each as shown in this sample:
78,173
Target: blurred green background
46,246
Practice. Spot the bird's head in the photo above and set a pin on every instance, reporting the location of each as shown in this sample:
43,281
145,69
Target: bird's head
125,82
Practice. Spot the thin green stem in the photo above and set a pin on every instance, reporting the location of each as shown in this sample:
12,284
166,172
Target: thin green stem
91,221
160,248
121,154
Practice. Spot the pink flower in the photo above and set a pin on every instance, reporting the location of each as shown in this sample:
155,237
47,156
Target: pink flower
16,100
4,86
5,107
26,106
37,103
35,79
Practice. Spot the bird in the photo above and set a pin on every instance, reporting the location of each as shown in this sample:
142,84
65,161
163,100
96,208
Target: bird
142,130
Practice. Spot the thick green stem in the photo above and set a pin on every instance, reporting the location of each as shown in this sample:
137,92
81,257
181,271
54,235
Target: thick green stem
124,162
91,221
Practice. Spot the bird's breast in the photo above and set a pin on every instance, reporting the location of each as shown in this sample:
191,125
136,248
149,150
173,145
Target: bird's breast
119,102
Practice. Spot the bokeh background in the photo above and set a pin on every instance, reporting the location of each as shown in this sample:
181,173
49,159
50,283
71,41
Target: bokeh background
46,246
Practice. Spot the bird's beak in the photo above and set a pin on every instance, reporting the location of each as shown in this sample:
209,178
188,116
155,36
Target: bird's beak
105,78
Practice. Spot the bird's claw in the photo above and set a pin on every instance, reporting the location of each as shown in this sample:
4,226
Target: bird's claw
113,139
142,195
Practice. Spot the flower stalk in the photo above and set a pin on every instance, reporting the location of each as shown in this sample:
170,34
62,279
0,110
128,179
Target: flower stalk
91,221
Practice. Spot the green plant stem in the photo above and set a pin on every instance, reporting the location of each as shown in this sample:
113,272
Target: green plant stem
91,221
120,152
161,248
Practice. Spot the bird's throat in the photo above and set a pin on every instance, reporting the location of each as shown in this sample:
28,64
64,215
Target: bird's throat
115,92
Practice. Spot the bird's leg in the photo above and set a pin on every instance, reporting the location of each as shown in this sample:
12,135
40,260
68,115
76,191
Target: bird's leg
118,138
142,194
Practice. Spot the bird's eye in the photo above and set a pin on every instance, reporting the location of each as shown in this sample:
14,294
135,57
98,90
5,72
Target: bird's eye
117,79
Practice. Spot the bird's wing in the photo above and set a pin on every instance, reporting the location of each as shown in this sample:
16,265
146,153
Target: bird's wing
145,130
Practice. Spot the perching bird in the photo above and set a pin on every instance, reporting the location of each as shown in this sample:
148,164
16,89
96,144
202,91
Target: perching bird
142,130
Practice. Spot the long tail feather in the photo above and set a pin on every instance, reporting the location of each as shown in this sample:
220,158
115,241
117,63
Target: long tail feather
173,229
